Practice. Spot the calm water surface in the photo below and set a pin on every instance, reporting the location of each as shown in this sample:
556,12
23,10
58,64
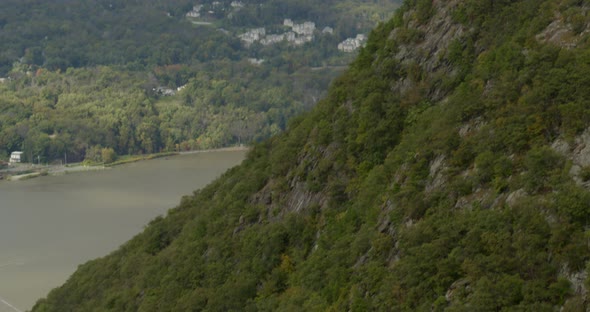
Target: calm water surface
50,225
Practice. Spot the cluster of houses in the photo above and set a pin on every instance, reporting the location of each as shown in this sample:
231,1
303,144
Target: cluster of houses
352,44
253,35
298,35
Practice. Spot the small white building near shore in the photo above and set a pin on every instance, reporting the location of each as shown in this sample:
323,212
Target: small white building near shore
15,157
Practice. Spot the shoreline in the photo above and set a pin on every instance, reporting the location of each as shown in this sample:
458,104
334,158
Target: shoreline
32,171
221,149
135,158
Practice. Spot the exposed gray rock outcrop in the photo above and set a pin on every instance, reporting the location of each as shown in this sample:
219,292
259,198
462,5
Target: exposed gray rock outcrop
430,52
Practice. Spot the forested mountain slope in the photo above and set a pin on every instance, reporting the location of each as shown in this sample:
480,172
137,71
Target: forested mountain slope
447,169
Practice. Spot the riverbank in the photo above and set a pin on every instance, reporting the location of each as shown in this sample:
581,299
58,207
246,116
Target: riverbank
20,172
40,171
222,149
135,158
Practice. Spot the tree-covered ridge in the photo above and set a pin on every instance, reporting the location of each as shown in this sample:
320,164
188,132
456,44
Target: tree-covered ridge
49,115
144,34
438,175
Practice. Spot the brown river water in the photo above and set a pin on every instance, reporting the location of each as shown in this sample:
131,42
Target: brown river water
50,225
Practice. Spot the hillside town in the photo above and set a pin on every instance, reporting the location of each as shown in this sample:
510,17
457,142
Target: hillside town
295,34
298,34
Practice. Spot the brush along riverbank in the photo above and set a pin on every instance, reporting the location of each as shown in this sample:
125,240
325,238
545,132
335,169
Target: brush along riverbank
20,172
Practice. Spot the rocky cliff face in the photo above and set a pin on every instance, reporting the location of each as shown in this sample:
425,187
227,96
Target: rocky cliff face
446,170
422,58
429,51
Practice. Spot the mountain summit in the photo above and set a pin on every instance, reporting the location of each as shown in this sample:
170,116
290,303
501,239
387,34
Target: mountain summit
447,169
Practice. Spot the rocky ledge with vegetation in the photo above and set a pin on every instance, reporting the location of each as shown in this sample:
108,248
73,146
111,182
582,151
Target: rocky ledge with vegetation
446,170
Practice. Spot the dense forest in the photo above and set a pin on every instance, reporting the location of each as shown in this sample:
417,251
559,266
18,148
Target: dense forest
142,77
446,170
51,114
143,34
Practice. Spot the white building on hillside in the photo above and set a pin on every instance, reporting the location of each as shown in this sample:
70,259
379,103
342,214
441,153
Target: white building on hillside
288,22
253,35
271,39
255,61
290,36
237,4
196,12
306,29
352,44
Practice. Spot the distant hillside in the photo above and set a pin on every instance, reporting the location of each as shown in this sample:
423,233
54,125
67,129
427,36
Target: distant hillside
49,114
446,170
72,33
151,76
